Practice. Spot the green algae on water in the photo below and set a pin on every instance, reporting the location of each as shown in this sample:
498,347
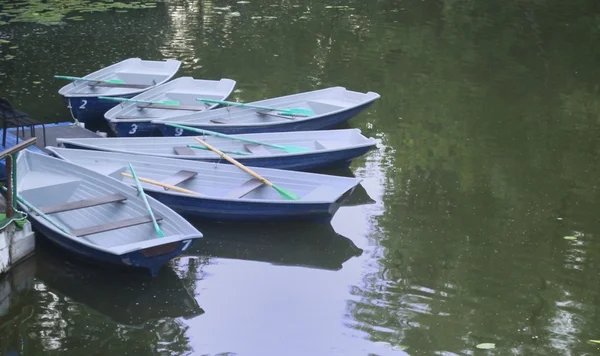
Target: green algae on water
52,12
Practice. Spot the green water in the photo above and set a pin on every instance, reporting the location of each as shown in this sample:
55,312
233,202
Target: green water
488,126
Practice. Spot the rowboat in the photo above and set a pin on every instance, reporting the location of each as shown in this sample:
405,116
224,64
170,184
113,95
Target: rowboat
172,99
123,79
310,150
221,192
314,110
96,217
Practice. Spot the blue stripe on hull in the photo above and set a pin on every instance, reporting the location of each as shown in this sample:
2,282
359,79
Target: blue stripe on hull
325,160
91,110
322,123
248,211
133,259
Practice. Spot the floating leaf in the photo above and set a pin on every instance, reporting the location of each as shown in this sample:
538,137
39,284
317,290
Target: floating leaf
570,238
13,47
37,83
486,346
4,41
8,57
595,341
234,14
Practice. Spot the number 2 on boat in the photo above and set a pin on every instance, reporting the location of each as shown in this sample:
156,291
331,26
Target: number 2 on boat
83,104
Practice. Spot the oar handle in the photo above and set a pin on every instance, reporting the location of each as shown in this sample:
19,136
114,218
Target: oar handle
233,161
148,207
234,103
216,134
168,186
112,98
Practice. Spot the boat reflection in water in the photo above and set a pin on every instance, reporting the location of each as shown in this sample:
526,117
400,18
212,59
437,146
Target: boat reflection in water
292,244
126,298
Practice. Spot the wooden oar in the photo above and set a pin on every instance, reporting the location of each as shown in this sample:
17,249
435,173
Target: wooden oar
283,192
141,192
109,81
241,153
46,217
289,149
164,102
168,186
291,111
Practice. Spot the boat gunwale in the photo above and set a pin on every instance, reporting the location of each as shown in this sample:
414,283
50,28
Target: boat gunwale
342,188
116,250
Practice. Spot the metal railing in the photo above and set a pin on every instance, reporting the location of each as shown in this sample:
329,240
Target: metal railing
10,154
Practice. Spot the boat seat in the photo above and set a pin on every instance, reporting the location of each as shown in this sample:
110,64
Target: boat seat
244,189
325,106
132,117
257,149
113,225
114,85
171,107
84,203
184,151
218,121
178,178
288,117
320,146
322,192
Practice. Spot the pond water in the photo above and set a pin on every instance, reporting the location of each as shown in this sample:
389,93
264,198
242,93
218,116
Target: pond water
488,158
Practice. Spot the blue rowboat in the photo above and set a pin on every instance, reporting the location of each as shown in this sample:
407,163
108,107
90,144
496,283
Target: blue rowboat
123,79
222,192
317,150
169,100
313,110
97,217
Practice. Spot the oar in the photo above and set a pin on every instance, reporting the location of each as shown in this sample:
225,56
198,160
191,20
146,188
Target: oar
289,149
283,192
141,191
164,102
291,111
241,153
168,186
46,217
109,81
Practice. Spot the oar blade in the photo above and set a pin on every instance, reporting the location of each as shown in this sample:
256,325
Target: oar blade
170,102
289,195
293,111
295,149
114,81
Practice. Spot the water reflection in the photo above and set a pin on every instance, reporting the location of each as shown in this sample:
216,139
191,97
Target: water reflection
303,245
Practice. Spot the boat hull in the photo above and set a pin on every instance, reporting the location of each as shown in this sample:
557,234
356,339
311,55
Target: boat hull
90,110
134,259
312,162
320,123
136,129
245,211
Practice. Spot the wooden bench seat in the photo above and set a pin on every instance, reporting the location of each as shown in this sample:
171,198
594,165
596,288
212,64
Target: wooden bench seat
244,189
171,107
257,149
289,117
114,225
114,85
80,204
125,117
184,151
178,178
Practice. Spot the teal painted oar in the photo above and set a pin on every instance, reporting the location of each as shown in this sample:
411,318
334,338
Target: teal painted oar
141,192
109,81
289,149
164,102
241,153
291,111
283,192
44,216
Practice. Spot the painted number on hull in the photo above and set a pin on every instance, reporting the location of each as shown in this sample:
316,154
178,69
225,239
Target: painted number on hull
178,131
83,104
133,129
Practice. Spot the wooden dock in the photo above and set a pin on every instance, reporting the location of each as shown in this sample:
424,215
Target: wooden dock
53,131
